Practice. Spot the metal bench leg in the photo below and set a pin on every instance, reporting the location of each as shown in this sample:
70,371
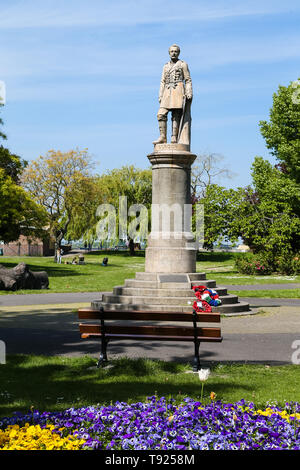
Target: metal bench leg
103,356
196,365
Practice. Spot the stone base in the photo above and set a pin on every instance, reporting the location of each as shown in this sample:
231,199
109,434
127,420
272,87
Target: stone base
171,246
167,148
170,260
165,291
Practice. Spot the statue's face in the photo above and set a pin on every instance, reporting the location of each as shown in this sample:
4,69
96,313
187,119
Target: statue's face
174,52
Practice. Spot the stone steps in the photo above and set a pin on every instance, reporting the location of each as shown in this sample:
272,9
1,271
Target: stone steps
141,275
137,283
121,290
144,299
239,307
162,292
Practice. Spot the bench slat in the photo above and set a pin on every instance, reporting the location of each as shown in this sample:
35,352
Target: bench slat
206,339
91,314
150,330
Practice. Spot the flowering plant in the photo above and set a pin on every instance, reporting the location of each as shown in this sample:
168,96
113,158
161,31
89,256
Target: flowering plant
162,424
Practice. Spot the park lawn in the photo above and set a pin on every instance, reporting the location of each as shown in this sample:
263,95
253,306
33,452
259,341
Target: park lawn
269,294
233,278
92,277
57,383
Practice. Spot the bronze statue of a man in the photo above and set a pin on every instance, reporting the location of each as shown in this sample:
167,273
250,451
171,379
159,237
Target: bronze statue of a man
175,94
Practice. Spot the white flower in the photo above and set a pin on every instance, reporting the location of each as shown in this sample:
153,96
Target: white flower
203,374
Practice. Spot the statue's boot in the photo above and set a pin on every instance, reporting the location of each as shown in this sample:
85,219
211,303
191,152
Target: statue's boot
163,133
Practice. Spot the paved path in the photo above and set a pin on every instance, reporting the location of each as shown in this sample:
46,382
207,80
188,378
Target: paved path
47,324
266,338
46,299
72,297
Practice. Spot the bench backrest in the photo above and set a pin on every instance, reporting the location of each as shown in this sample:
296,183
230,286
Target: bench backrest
136,315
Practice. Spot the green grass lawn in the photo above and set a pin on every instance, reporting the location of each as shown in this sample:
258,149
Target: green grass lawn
93,277
90,277
269,294
57,383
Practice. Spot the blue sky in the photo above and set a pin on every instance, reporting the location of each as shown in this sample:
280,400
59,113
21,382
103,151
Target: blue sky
86,74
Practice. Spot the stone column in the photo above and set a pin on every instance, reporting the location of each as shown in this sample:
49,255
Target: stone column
171,245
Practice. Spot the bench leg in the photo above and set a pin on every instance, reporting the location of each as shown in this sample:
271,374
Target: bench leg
103,356
196,365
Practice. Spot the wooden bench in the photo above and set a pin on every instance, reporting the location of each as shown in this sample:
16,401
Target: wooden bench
106,331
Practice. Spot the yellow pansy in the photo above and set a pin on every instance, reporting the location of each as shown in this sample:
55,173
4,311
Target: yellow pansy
33,437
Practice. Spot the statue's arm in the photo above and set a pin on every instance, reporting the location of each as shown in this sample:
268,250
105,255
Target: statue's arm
188,82
162,85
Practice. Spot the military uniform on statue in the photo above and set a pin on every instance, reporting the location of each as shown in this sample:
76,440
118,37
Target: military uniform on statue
175,95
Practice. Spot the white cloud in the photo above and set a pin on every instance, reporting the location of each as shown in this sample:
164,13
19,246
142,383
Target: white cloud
60,71
75,13
139,60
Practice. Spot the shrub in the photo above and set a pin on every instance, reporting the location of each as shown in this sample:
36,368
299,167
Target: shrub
253,264
265,263
288,264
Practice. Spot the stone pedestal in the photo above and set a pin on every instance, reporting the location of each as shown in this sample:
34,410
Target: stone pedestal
171,245
170,266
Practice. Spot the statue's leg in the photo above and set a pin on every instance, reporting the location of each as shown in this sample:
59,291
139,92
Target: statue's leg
162,117
176,115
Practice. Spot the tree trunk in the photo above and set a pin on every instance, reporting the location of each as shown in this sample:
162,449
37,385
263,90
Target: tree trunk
20,277
59,235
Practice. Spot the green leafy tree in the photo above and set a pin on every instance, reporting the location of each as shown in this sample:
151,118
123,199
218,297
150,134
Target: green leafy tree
2,135
129,181
221,208
133,183
19,214
282,132
266,218
12,164
58,182
281,193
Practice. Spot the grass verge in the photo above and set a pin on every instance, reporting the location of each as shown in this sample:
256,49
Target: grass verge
93,277
269,294
57,383
90,277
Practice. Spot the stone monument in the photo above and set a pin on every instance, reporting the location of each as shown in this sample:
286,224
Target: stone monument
170,265
171,247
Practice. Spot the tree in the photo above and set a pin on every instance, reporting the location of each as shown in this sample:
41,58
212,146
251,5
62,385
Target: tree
205,171
128,181
266,218
221,208
83,213
280,195
12,164
2,135
217,201
19,213
282,132
57,182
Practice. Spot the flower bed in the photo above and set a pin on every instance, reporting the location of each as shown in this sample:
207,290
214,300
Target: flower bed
160,424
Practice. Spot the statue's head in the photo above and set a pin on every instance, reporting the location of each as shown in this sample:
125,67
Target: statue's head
174,51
